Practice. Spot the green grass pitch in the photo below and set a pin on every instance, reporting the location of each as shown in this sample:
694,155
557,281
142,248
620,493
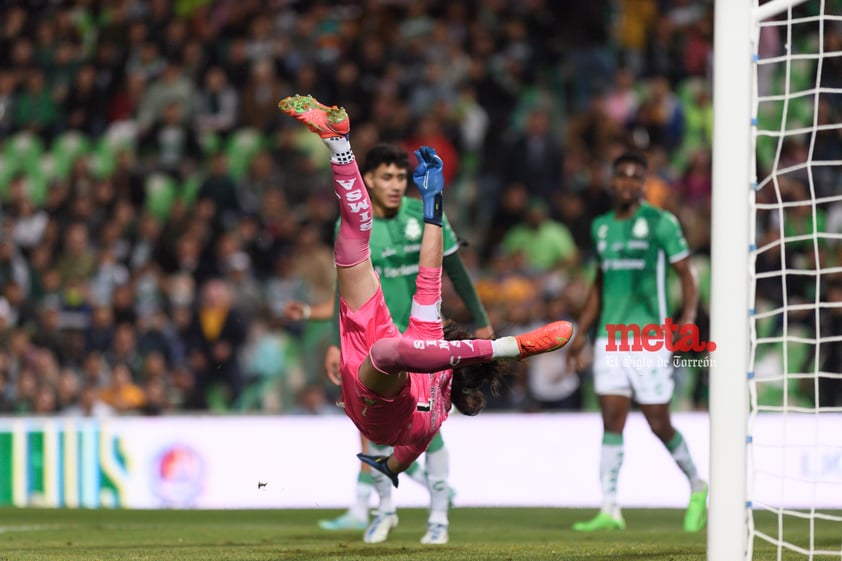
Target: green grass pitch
489,534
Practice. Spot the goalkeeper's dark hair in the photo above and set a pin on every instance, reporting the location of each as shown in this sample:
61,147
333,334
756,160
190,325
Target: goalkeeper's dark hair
384,153
631,157
467,391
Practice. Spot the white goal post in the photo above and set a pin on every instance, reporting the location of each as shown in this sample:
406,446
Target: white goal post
729,322
776,462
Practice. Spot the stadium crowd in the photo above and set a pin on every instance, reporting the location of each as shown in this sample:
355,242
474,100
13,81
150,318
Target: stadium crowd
158,213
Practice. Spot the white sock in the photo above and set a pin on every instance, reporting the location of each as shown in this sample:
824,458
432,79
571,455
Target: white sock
612,510
438,471
504,347
611,460
382,484
340,149
677,447
365,485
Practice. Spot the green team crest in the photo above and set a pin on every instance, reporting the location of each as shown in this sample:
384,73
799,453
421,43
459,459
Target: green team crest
413,229
601,234
641,228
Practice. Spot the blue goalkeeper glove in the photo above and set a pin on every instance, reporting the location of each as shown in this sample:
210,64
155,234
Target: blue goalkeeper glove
430,182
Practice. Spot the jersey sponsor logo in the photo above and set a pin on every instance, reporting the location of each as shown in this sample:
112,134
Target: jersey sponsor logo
402,271
653,337
623,265
638,244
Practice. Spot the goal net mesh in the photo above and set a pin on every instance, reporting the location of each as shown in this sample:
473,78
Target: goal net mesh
795,373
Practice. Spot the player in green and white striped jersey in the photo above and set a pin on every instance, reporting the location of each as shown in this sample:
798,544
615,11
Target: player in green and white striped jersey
635,244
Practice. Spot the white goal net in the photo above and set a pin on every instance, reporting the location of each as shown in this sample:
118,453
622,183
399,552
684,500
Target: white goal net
792,439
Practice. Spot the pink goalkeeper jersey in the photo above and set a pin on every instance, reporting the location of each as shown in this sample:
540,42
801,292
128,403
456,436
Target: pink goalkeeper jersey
410,419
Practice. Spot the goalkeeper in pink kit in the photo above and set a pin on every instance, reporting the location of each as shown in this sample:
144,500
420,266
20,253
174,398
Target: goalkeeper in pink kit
398,388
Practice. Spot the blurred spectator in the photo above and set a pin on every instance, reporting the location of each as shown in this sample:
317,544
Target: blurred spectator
621,99
30,224
551,386
156,344
830,386
595,130
7,394
124,350
259,101
429,133
7,101
545,244
6,318
82,104
109,274
48,333
585,33
95,370
13,266
26,390
217,104
248,297
216,331
312,400
156,399
696,184
100,332
44,402
510,210
89,404
171,143
171,89
534,158
663,52
122,393
123,304
637,18
22,310
35,110
78,260
659,121
220,191
67,389
125,103
263,174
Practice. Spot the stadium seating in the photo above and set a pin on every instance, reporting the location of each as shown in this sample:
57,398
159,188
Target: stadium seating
161,191
241,148
65,149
